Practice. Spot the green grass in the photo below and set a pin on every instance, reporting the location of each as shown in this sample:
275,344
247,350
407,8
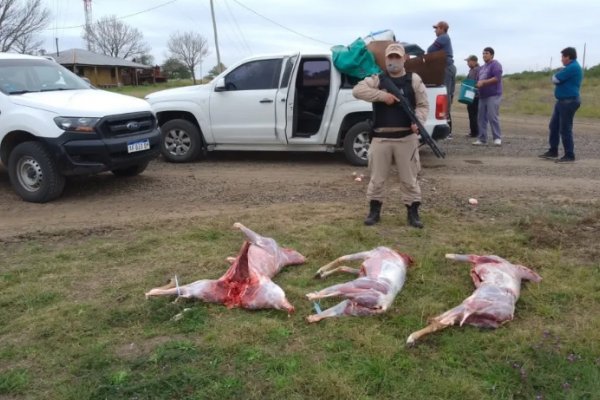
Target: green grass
74,323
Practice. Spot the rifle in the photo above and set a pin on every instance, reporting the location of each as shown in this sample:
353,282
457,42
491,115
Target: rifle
387,84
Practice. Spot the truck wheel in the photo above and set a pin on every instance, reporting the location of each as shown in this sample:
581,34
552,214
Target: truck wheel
356,144
181,141
130,171
33,173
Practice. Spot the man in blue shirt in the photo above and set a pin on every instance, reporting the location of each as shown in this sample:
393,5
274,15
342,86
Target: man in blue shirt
443,42
567,83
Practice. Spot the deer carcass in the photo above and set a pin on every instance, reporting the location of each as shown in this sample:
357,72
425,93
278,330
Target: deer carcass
380,278
247,283
498,285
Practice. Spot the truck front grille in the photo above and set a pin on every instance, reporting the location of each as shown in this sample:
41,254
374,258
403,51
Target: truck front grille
127,124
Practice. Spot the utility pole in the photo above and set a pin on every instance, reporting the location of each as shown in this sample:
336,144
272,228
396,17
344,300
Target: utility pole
87,8
212,12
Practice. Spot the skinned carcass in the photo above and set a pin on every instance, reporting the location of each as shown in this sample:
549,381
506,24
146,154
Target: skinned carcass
380,278
498,285
247,283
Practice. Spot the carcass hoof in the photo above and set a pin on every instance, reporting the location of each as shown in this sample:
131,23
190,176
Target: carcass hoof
311,319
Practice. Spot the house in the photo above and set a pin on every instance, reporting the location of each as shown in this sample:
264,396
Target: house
102,71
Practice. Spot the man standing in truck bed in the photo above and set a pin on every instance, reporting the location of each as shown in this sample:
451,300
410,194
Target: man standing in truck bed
443,43
394,135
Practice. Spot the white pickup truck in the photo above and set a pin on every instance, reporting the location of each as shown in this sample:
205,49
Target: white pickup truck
288,102
54,125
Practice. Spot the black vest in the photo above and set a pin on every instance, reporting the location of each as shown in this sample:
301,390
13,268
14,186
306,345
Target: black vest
394,116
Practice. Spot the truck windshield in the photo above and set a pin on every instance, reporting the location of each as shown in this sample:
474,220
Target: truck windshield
25,76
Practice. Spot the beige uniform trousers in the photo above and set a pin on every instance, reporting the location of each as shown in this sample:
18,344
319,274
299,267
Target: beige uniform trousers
404,152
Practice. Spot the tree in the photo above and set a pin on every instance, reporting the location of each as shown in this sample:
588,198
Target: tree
19,19
190,48
175,69
146,59
216,70
27,44
115,38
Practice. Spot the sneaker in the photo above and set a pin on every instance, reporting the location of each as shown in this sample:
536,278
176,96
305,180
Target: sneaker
497,142
449,137
478,143
549,155
566,159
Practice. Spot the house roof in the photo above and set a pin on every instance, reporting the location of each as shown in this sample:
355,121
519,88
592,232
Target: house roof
84,57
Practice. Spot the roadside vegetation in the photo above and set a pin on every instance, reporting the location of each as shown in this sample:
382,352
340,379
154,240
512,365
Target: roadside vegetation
74,323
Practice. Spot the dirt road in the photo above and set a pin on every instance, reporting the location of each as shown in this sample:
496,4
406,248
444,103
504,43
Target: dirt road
230,181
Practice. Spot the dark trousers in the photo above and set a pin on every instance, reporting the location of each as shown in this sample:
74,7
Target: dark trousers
472,110
561,126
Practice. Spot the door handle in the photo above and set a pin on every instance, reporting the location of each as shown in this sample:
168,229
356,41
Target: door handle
283,100
266,101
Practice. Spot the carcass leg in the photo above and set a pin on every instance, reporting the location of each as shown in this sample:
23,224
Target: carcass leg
166,290
346,289
321,273
432,327
346,307
334,311
252,236
448,318
342,268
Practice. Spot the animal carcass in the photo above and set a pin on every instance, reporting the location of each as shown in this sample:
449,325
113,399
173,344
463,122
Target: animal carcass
247,283
380,278
498,285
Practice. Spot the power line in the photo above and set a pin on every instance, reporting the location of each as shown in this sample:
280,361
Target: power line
244,42
282,26
124,16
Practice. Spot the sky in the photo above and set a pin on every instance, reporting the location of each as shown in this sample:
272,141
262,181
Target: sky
527,35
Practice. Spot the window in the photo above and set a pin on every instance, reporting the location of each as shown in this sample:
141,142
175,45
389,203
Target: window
261,74
33,75
316,73
289,65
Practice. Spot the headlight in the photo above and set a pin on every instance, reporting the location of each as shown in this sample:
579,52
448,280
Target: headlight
76,124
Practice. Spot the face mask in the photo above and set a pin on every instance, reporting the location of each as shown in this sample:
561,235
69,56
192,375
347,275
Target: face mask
394,66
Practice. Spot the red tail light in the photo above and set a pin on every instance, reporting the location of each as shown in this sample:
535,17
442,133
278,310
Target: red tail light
441,106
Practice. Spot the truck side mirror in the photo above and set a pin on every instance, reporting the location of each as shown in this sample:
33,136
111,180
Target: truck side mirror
220,85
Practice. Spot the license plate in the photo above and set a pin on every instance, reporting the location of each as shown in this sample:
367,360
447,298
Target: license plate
140,145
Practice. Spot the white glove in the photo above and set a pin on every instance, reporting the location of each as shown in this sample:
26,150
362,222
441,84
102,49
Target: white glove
555,80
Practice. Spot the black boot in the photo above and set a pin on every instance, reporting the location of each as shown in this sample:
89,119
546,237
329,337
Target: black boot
412,212
374,212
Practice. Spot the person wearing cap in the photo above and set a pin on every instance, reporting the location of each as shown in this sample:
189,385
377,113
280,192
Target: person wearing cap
394,135
473,64
567,83
443,43
490,96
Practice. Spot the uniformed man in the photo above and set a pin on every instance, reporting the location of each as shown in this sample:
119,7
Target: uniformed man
395,139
